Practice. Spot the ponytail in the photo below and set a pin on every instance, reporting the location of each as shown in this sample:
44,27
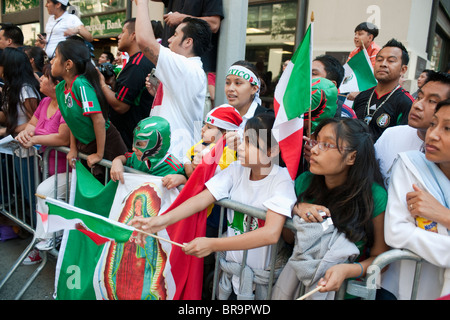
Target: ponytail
78,52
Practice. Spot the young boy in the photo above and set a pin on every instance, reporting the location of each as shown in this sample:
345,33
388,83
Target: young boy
151,143
217,122
365,34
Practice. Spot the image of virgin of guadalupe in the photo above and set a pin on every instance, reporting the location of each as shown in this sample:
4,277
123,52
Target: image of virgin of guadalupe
132,272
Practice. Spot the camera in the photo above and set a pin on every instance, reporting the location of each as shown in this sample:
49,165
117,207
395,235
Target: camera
107,70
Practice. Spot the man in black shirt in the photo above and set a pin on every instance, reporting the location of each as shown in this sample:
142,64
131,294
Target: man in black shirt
209,10
130,102
387,104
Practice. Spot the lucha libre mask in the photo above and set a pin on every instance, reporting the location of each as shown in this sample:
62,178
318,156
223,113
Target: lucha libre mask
152,137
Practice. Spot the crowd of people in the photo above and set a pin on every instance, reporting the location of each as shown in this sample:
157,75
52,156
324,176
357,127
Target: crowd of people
379,170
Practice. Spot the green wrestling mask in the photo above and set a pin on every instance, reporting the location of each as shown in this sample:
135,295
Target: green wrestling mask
152,137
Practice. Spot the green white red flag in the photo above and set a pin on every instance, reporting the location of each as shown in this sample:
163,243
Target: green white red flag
358,74
63,216
292,100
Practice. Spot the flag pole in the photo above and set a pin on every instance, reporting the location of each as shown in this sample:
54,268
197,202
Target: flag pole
160,238
310,99
310,293
140,231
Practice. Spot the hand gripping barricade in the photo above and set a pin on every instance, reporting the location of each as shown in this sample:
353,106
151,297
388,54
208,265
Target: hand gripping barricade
21,172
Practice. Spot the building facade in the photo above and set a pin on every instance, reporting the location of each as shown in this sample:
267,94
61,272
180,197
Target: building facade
275,27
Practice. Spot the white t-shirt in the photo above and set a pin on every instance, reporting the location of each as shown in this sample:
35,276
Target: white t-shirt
184,86
393,141
55,29
275,192
27,92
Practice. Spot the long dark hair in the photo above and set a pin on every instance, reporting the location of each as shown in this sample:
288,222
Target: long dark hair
78,52
351,204
17,73
38,54
260,127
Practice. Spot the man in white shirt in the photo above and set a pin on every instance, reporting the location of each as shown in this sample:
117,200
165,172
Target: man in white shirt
411,137
180,97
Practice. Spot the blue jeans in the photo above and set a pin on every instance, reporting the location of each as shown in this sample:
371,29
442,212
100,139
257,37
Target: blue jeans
25,175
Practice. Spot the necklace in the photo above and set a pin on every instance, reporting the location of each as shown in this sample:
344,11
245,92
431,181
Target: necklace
369,116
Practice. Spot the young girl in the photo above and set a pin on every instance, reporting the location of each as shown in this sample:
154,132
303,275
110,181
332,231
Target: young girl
37,58
84,106
254,180
242,89
20,94
344,183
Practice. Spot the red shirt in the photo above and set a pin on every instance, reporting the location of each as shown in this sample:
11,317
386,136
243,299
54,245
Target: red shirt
372,51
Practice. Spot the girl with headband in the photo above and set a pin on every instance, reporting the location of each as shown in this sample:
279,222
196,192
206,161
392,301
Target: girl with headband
242,90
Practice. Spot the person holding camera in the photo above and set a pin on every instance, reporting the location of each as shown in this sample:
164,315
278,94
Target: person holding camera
60,25
129,98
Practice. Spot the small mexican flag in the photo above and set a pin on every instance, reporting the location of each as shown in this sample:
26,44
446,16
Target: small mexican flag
63,216
292,99
358,74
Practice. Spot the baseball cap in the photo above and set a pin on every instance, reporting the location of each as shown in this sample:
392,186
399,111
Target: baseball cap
64,2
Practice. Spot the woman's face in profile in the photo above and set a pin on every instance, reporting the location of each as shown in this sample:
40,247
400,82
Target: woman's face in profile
437,140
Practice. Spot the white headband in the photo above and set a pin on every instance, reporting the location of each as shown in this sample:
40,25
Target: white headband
245,74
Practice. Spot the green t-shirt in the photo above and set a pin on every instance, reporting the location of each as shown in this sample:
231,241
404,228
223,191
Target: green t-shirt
170,165
379,197
76,106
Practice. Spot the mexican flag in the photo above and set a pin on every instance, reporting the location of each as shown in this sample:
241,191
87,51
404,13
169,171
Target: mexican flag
63,216
292,99
358,74
185,269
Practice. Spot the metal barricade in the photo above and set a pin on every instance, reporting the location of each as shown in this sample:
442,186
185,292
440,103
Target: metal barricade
254,213
19,177
13,171
367,288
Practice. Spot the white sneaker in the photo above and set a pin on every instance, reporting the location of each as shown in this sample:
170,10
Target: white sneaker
47,244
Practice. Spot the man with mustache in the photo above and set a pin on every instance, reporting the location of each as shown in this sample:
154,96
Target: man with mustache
387,104
411,136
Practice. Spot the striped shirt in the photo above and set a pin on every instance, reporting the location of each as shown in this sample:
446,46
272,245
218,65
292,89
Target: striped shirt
167,165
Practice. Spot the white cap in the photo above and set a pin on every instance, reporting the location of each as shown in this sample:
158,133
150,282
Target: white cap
64,2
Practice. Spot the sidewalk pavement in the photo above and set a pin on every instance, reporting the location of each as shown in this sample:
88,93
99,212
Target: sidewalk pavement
43,286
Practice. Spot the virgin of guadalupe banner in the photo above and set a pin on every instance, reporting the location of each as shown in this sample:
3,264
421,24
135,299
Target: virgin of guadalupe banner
116,270
88,269
127,271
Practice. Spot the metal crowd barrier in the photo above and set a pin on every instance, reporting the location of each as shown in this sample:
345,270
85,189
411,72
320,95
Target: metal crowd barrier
20,212
19,177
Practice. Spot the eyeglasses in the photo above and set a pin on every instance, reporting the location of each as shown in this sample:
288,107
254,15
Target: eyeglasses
323,146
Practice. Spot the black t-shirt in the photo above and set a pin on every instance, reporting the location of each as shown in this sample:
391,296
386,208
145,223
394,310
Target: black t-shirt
130,89
197,8
385,111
